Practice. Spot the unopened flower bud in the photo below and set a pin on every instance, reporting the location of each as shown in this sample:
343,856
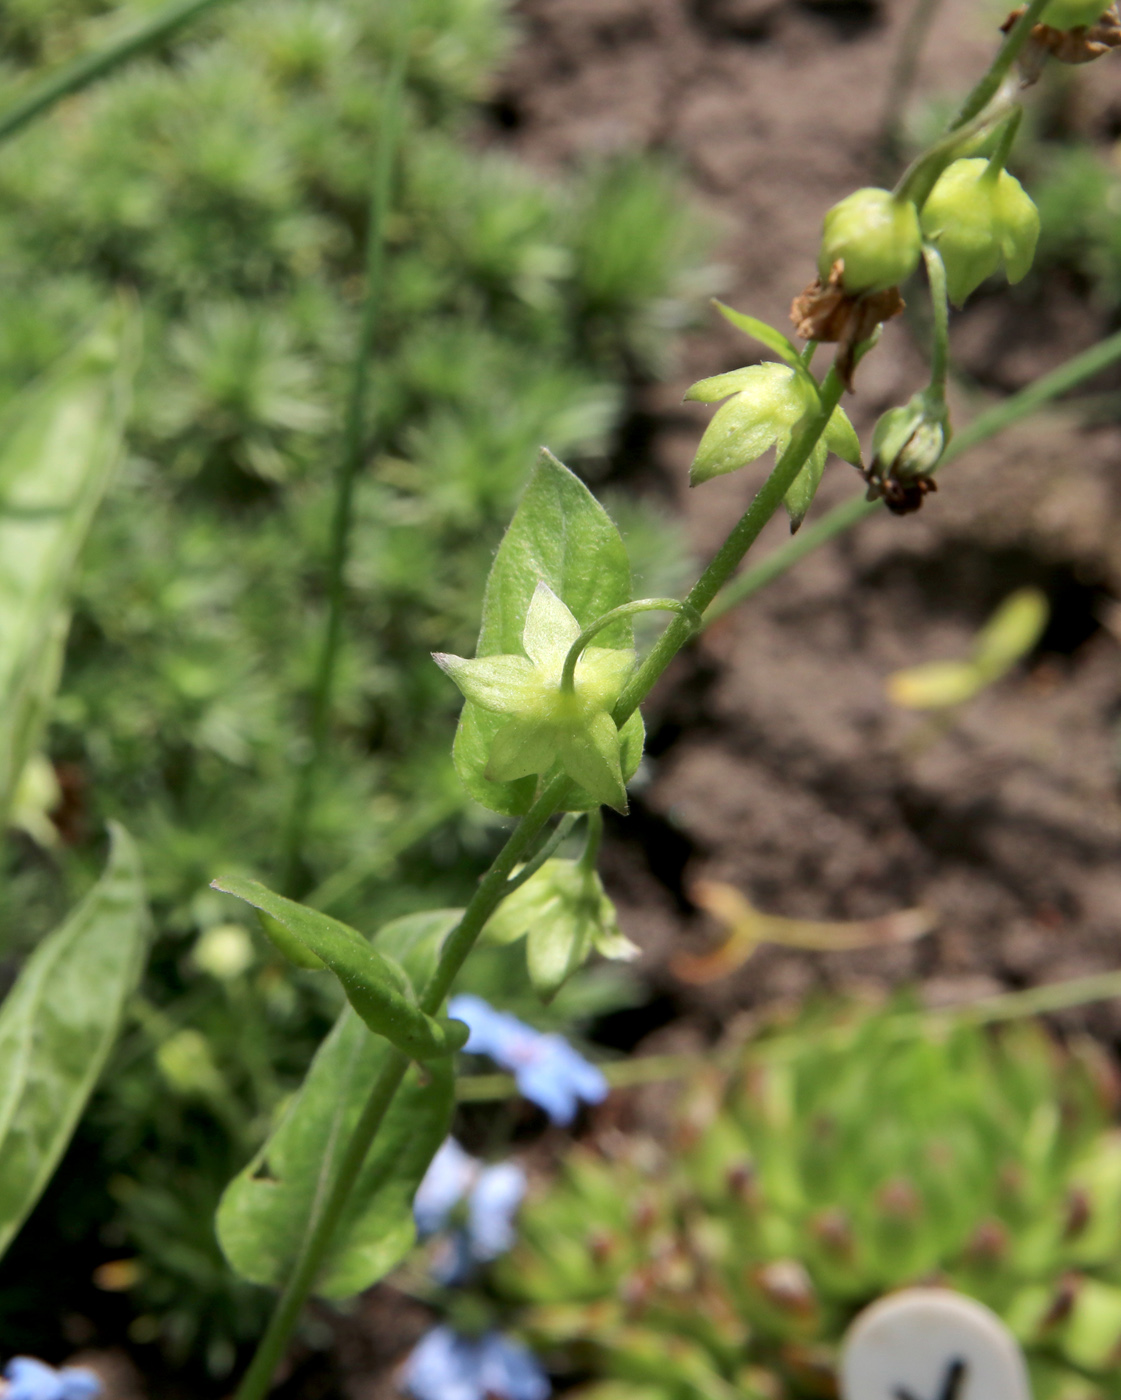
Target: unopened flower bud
1071,14
875,236
908,441
980,217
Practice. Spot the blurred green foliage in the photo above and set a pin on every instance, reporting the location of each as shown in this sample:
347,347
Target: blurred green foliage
849,1155
225,180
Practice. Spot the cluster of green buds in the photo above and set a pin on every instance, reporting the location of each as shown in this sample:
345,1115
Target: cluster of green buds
842,1159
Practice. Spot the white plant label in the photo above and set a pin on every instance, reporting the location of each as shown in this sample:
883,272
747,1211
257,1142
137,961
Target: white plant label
931,1344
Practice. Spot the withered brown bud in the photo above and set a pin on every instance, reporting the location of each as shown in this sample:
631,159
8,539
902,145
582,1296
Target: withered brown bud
833,1231
826,312
1080,44
900,1200
989,1243
1078,1213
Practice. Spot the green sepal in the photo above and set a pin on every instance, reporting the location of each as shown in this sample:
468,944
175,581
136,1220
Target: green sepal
560,536
979,219
565,914
759,330
799,496
376,986
1072,14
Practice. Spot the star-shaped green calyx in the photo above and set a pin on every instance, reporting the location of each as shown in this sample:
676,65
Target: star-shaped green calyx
549,724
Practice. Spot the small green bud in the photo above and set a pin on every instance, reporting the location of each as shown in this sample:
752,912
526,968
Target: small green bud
546,724
907,442
1072,14
979,217
877,238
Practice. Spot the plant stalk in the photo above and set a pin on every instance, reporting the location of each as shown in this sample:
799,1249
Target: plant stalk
353,452
88,68
1001,66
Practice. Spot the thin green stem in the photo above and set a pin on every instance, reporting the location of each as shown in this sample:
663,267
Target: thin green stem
88,68
353,453
940,305
730,554
1003,150
625,610
595,836
984,426
534,864
920,177
321,1228
902,79
1001,66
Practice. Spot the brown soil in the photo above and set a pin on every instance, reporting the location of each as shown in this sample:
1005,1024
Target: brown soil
777,762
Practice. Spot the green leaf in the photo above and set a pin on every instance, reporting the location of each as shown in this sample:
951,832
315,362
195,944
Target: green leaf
565,913
59,444
760,331
376,986
561,536
720,386
58,1025
265,1210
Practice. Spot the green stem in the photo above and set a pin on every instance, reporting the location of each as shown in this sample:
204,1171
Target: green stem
1007,139
1001,66
595,837
940,345
727,560
532,866
353,452
983,427
921,175
625,610
88,68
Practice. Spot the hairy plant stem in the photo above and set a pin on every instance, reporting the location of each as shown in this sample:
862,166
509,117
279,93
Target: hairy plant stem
353,452
72,77
624,610
857,508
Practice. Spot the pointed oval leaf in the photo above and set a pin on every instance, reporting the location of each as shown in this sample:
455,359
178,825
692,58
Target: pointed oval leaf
720,386
759,330
59,444
264,1213
376,986
560,536
58,1024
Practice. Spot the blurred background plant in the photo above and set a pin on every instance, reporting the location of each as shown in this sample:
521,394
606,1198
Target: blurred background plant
724,1250
224,180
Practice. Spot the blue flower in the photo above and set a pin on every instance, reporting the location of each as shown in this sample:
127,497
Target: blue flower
546,1068
446,1366
493,1195
29,1379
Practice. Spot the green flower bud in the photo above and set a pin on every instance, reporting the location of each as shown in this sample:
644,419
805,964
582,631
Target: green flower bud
877,238
908,441
547,725
978,217
564,913
1072,14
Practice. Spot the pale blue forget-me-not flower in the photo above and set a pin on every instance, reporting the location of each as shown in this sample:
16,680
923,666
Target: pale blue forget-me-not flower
492,1196
446,1366
29,1379
545,1067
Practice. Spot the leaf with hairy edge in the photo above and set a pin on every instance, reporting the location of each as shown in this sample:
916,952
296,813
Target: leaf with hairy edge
58,1024
59,444
760,331
376,986
265,1210
561,536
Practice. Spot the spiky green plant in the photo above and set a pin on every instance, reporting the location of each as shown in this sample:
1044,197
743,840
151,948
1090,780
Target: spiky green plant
727,1255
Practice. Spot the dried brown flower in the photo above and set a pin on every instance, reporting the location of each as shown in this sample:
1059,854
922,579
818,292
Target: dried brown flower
1079,45
826,312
